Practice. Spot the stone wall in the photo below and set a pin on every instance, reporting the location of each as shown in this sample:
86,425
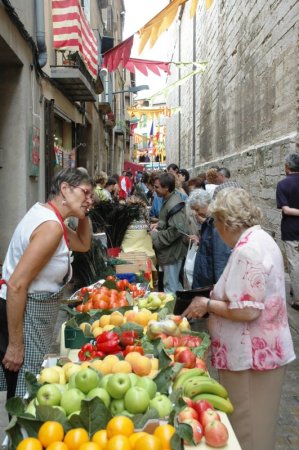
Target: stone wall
242,112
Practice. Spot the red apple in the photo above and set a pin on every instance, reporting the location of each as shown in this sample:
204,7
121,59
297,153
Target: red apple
208,416
201,405
168,342
185,357
197,431
187,413
216,434
188,401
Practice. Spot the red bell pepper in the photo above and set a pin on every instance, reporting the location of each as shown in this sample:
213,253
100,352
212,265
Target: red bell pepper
108,343
128,337
133,348
87,352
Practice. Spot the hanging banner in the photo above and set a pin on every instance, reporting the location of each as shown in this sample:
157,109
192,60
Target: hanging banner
34,149
118,55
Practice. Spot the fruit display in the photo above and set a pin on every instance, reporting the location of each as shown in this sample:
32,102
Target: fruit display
197,385
170,326
155,300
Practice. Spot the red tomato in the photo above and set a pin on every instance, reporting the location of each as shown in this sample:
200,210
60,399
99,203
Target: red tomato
123,302
87,306
120,285
80,308
110,278
83,290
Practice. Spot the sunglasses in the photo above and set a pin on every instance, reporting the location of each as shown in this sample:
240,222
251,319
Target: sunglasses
86,192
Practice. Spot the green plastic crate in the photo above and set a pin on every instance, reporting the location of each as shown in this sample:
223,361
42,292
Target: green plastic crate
74,338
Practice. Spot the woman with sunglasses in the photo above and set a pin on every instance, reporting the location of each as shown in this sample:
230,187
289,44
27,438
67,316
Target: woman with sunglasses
35,271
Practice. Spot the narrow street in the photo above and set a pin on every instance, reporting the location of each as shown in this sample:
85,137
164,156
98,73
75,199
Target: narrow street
288,424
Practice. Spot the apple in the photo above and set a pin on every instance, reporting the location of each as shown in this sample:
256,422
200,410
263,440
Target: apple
117,406
189,402
186,357
71,400
201,405
49,395
31,408
61,387
103,381
197,431
208,416
48,375
137,400
86,380
168,342
101,393
216,434
187,413
60,408
72,368
133,378
149,385
118,384
61,373
73,414
162,404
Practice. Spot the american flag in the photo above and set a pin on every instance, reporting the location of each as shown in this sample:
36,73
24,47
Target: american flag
71,31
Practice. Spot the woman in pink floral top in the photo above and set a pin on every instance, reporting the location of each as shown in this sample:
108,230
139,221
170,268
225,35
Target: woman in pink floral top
251,340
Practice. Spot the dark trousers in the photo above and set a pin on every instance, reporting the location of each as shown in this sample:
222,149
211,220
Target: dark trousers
10,377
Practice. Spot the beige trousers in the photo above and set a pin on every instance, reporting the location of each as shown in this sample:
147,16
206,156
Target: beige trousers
292,252
256,397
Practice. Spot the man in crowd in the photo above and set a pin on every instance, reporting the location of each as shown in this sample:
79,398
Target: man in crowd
168,233
287,197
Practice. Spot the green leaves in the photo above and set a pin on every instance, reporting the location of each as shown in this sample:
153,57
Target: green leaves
93,416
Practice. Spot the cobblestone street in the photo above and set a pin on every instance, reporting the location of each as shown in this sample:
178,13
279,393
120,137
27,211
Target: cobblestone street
288,423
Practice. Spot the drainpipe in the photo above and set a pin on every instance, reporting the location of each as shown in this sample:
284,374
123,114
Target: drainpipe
40,33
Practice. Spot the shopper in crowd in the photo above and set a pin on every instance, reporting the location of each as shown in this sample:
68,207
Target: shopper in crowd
223,175
124,186
287,196
108,192
197,183
172,168
168,233
156,200
35,270
100,180
183,177
211,180
212,254
248,323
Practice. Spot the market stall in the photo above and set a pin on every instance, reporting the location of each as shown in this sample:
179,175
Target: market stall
124,358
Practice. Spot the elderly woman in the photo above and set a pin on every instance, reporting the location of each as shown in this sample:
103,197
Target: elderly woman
35,270
212,254
251,340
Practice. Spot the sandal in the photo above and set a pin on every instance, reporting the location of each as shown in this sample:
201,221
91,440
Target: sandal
295,305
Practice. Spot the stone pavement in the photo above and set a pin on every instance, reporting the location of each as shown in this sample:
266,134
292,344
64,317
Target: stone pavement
288,422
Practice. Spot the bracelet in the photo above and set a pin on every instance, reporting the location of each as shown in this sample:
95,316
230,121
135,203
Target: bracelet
208,305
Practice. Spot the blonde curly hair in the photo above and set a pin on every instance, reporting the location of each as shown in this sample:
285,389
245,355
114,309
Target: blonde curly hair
235,208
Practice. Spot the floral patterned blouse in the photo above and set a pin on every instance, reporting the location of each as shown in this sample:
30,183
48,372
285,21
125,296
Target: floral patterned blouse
254,276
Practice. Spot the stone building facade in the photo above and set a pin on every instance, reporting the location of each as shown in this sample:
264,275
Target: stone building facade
242,112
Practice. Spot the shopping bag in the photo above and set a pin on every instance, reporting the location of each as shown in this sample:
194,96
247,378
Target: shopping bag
189,265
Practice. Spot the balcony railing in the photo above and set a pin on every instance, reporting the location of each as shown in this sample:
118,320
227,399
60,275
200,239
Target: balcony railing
73,79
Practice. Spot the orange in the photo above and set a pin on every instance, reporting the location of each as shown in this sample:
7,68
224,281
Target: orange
118,442
49,432
30,444
134,437
57,446
90,446
148,442
76,437
100,437
120,425
165,433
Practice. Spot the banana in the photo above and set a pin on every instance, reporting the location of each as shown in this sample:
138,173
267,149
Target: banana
223,404
200,385
183,377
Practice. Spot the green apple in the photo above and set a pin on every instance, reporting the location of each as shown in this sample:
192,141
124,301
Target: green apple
61,387
118,384
31,408
48,375
136,400
60,409
71,400
73,414
162,404
117,406
86,380
72,381
104,381
72,368
149,385
101,393
134,378
49,395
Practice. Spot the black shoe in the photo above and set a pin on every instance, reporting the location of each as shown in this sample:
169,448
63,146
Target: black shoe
295,305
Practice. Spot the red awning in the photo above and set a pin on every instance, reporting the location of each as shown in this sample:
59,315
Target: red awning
132,167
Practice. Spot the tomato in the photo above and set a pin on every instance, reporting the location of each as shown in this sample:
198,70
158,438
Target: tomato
120,285
84,290
80,308
87,306
110,278
76,437
133,288
165,433
123,302
49,432
30,444
103,305
120,425
125,283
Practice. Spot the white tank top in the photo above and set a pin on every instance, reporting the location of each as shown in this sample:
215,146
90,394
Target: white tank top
50,278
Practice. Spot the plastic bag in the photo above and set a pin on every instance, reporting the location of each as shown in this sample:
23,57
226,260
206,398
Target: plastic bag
189,265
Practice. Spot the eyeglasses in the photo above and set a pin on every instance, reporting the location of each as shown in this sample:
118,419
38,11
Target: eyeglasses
86,192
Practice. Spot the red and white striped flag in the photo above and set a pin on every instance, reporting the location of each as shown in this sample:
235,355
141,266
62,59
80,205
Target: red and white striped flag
71,31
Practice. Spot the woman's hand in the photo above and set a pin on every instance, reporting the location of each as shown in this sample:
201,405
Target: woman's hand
197,308
194,238
13,358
